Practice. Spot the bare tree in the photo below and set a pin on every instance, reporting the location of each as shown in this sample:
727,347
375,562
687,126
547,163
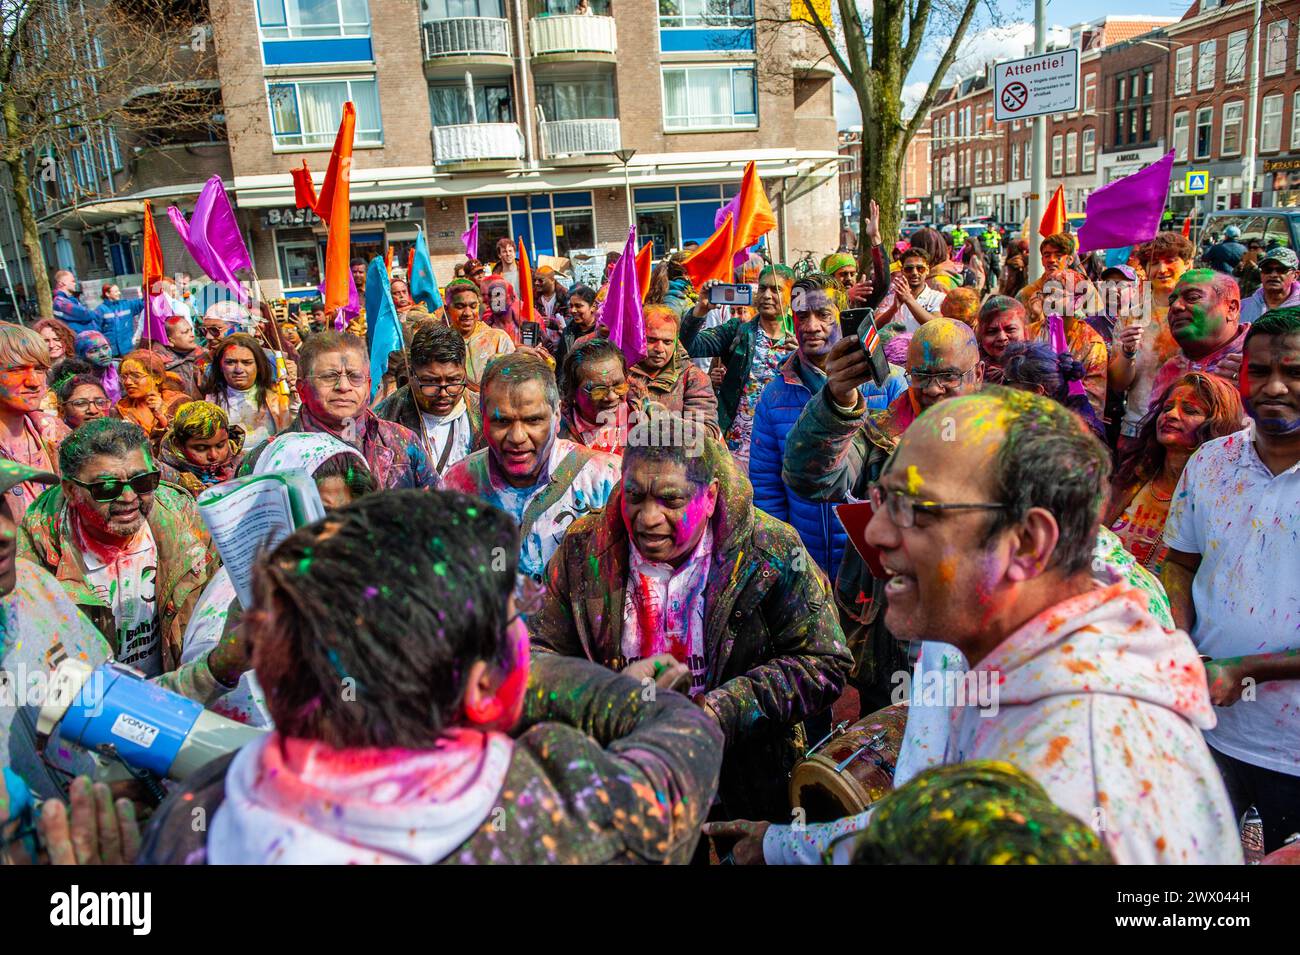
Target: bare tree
85,79
874,53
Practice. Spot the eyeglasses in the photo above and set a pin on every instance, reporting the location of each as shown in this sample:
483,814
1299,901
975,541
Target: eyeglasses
947,380
82,404
331,379
915,268
603,392
438,387
902,508
110,489
132,378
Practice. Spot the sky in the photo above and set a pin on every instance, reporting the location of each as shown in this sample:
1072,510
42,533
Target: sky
1003,42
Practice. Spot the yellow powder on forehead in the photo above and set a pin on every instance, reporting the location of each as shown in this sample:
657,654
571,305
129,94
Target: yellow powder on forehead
131,365
199,418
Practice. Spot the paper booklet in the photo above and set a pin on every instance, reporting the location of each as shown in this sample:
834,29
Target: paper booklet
250,515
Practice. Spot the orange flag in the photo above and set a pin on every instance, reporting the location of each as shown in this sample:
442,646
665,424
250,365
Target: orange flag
754,218
644,266
388,260
333,207
1187,226
152,271
525,282
712,260
410,264
1054,215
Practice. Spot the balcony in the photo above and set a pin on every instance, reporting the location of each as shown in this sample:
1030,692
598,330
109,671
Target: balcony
580,137
467,37
560,37
472,142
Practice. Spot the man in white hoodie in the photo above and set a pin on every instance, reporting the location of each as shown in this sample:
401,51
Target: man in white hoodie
986,521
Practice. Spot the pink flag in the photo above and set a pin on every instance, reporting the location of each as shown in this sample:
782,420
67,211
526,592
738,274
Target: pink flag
621,310
1056,332
470,238
212,236
157,309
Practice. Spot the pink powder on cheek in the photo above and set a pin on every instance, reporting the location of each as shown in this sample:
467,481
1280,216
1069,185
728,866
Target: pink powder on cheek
696,511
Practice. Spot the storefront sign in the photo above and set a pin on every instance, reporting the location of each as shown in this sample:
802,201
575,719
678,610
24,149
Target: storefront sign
1285,164
361,212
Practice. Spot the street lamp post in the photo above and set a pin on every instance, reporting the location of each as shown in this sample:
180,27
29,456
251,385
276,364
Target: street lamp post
1038,177
625,156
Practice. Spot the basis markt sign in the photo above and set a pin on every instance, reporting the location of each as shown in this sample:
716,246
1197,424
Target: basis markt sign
1036,85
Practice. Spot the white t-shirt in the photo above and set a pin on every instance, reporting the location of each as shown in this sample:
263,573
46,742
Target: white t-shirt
246,411
930,299
127,586
1242,520
455,427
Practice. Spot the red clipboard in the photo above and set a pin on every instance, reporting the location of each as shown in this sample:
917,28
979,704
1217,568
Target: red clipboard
855,518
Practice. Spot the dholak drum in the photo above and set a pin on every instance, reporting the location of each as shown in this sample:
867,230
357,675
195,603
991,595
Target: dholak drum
848,770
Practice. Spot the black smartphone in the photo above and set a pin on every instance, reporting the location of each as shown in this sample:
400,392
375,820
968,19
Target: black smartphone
851,320
731,295
530,334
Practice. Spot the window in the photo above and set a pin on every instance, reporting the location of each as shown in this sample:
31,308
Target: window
1295,120
1234,67
1270,127
1275,48
934,130
998,166
1205,68
310,19
1132,126
1120,123
1090,93
1148,82
979,123
1015,125
674,14
307,112
1204,123
979,167
1071,153
1089,150
1146,124
1183,70
1028,167
1121,89
576,99
449,105
1231,137
1180,136
1015,158
1057,142
707,97
455,9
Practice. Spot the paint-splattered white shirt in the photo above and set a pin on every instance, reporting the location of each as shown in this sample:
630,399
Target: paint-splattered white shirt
1244,521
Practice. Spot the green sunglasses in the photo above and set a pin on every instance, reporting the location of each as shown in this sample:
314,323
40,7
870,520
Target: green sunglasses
110,489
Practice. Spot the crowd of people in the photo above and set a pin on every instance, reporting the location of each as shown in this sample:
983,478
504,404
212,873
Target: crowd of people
593,606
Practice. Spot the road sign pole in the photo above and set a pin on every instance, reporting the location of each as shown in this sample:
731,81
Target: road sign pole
1038,181
1248,160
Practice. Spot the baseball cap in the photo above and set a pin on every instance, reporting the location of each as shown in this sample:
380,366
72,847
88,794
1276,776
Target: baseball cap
12,474
1124,270
1281,254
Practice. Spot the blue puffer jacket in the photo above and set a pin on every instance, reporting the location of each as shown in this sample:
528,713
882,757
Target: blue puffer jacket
117,321
72,313
778,409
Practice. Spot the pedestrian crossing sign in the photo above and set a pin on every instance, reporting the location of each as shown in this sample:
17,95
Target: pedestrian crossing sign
1198,182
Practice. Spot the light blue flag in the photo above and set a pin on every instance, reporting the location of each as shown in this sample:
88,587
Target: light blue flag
424,287
383,328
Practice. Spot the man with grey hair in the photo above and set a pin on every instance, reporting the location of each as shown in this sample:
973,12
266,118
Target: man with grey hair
130,551
545,482
68,309
334,385
1278,287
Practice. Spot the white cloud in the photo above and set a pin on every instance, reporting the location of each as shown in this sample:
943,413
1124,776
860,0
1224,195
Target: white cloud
1006,42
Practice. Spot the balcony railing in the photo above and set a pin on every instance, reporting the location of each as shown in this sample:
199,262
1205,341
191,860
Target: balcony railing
572,34
467,36
472,141
580,137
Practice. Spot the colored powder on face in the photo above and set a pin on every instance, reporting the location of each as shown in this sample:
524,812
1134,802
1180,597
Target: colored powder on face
697,511
914,481
440,568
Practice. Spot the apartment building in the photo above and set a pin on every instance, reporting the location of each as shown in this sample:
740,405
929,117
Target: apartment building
983,167
1208,70
521,113
550,124
1134,104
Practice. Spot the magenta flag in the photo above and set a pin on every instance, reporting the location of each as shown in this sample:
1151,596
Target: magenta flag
1060,345
621,311
1127,211
350,310
212,236
470,238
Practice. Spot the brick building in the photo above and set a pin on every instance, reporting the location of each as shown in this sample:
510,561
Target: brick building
509,109
1134,97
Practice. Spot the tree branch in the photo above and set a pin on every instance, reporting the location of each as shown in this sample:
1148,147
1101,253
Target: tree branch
918,19
945,62
824,32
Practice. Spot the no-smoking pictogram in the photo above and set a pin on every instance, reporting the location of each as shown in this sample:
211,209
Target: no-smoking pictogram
1014,96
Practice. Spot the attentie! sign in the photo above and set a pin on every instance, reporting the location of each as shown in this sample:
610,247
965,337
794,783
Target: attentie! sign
1036,85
